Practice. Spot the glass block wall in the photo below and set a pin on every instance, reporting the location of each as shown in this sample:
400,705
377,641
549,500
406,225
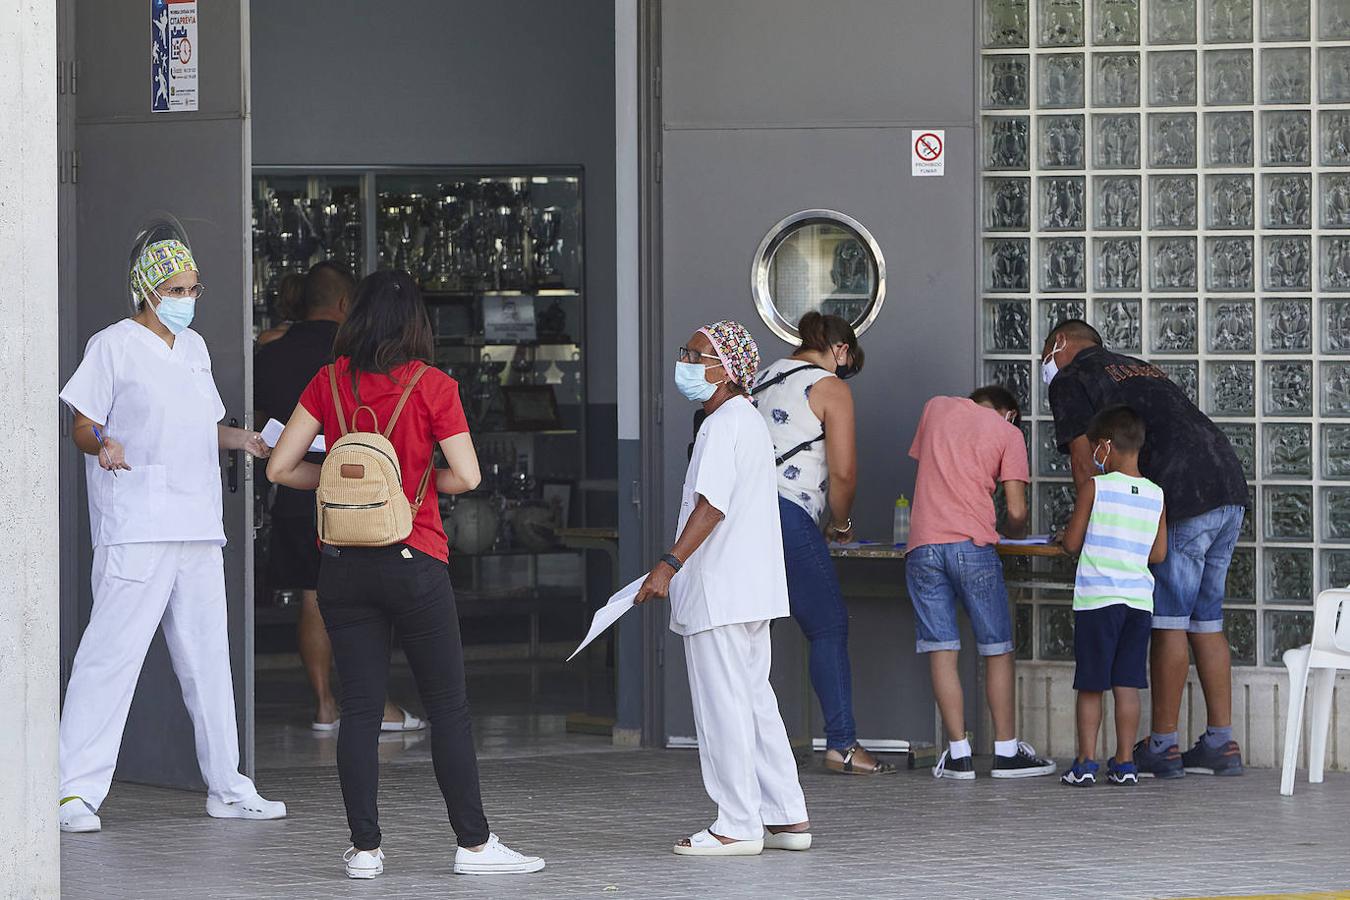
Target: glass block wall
1178,173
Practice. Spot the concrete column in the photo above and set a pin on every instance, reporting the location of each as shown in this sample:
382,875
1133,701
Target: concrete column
29,521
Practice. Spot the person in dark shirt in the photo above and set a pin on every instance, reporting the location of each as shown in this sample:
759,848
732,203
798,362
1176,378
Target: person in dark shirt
281,369
1192,461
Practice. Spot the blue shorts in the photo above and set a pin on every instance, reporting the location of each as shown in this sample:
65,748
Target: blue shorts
1188,594
1110,647
938,575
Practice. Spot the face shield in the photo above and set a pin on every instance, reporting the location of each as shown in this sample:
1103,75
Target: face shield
145,272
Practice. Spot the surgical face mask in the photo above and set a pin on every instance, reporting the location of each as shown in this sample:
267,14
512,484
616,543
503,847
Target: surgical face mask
1048,368
690,381
1101,463
175,312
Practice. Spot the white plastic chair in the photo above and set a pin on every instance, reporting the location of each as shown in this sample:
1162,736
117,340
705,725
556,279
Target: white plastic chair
1328,652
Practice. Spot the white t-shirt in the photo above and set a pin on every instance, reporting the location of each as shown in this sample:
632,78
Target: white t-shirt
737,574
163,406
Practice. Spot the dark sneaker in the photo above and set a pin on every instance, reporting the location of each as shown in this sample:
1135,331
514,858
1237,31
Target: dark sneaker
1202,759
1121,773
1166,764
1026,764
961,768
1083,773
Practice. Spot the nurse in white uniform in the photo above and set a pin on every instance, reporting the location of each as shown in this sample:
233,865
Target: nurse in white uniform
146,413
726,581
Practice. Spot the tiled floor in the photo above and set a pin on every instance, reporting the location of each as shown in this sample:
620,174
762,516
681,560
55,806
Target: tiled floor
605,822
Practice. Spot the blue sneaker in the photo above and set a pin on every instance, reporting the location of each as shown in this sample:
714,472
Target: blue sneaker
1202,759
1083,773
1166,764
1121,773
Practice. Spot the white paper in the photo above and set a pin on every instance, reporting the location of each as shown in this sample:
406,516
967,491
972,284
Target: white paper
1034,540
271,433
610,613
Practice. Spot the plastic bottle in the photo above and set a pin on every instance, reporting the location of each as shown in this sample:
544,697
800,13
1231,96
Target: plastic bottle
900,533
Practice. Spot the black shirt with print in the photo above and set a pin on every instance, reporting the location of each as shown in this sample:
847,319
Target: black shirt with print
1184,452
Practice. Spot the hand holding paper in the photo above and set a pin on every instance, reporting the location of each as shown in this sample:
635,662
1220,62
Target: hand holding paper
271,433
610,613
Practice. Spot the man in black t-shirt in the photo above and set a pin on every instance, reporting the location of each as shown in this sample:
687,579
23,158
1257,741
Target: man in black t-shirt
1205,492
282,369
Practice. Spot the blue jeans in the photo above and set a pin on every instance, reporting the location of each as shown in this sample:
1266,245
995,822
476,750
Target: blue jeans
818,606
1189,584
940,575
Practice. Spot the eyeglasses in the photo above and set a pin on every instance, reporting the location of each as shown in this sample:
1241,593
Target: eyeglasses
684,354
184,293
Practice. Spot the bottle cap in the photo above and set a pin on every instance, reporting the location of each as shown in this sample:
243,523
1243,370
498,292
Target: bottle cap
903,501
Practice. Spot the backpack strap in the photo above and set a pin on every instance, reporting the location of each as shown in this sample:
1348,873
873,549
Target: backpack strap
389,429
781,377
337,399
804,445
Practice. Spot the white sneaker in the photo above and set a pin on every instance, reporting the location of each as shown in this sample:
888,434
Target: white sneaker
78,817
255,807
495,859
364,863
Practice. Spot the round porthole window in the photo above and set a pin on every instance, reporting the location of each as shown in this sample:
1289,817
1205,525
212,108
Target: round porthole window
818,260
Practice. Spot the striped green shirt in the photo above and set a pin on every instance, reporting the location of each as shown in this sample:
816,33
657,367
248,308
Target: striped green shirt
1113,566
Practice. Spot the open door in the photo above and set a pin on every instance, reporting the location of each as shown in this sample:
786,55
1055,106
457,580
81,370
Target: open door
130,163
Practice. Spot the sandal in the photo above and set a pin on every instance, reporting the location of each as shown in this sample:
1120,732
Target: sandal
787,840
704,844
847,766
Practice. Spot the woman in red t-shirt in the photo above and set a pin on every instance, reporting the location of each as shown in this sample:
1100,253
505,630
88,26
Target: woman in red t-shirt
367,593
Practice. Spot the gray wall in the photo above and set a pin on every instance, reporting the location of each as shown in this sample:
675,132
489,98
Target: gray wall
772,106
449,82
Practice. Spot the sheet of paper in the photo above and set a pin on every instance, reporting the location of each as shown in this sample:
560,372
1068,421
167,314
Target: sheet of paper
271,433
1032,541
610,613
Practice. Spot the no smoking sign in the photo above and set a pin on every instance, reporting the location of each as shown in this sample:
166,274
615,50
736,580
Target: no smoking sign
927,157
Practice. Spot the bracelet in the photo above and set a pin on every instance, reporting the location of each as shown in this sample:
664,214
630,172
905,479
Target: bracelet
673,561
848,526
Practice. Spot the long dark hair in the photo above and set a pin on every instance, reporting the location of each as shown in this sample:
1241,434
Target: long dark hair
821,332
386,327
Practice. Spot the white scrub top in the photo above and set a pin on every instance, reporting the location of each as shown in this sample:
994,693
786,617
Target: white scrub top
161,403
737,574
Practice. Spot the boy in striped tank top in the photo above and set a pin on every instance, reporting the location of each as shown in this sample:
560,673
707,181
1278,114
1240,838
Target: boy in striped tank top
1118,528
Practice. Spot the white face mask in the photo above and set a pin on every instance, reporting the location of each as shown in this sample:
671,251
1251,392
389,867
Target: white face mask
1048,368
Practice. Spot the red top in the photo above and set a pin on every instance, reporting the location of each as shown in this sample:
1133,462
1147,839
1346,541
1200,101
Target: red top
432,414
964,450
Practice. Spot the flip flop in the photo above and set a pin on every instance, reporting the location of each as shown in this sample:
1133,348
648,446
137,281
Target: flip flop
409,723
787,840
704,844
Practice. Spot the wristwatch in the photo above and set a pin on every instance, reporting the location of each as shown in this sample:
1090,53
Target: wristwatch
673,561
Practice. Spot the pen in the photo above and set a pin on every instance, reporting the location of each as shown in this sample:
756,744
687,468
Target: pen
98,436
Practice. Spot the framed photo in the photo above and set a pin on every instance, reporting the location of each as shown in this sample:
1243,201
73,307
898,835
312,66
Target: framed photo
558,497
531,407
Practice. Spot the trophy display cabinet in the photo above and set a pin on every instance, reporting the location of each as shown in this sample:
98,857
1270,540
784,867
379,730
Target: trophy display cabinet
498,255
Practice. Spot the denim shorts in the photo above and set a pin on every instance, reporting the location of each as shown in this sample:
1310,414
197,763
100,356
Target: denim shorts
1188,594
940,575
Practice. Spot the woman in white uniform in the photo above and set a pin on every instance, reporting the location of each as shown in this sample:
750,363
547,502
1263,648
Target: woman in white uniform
146,416
726,581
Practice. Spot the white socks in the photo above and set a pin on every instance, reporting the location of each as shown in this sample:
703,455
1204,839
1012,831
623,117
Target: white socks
1005,748
959,749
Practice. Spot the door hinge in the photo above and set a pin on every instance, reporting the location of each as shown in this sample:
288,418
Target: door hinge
656,81
74,76
60,77
74,167
659,163
637,495
660,408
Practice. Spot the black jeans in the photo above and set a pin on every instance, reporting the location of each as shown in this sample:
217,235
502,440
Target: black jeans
364,594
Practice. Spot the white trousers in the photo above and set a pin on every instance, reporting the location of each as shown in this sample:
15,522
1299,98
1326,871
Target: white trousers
138,587
748,767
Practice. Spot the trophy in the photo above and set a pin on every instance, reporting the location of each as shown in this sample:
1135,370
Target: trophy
508,249
444,266
543,229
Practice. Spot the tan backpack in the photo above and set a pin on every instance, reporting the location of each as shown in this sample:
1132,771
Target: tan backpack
360,498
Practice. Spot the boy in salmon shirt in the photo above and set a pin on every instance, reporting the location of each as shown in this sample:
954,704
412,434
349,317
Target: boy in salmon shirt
966,448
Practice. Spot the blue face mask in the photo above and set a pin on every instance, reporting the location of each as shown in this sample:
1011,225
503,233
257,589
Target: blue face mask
175,312
1101,464
691,382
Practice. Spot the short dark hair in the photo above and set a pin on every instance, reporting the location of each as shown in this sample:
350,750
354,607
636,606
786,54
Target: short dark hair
387,326
999,397
821,331
1075,328
1120,425
326,283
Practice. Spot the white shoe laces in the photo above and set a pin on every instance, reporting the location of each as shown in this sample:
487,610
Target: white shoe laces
1024,747
494,843
941,764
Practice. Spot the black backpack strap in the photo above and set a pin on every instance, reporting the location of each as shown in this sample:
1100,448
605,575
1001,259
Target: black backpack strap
804,445
780,378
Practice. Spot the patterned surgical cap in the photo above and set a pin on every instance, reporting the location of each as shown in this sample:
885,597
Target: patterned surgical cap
735,348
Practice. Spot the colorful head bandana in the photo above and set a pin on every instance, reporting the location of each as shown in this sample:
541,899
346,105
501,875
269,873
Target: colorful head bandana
735,348
158,263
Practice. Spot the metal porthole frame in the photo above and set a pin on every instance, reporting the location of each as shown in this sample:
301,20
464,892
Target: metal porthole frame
785,228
